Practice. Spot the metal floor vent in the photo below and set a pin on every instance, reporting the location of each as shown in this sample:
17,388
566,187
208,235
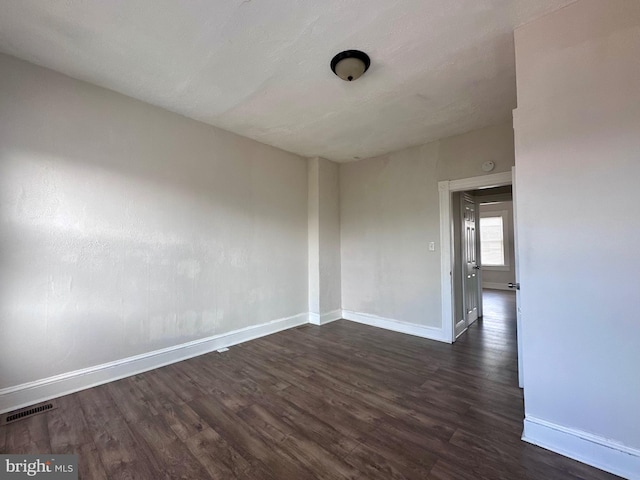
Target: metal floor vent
27,412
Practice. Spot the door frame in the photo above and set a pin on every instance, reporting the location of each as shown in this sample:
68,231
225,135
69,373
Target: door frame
445,189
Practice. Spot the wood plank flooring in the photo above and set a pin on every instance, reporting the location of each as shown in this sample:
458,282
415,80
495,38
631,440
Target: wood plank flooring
341,401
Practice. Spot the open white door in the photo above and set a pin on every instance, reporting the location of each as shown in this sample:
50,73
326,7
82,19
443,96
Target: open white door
516,286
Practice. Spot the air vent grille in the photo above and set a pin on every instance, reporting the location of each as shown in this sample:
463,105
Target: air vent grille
26,413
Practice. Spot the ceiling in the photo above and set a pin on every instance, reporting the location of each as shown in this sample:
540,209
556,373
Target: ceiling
261,69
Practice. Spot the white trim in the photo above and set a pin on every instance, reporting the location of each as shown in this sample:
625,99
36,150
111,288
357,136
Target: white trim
584,447
445,188
446,260
494,199
19,396
483,181
496,286
317,319
432,333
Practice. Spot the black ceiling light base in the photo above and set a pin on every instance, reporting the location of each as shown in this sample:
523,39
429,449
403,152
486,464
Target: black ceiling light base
350,64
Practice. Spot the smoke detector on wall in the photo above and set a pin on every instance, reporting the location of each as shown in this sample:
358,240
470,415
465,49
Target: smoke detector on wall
488,166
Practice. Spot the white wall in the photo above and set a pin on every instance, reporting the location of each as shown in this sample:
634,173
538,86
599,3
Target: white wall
125,228
462,156
577,170
324,241
493,277
389,210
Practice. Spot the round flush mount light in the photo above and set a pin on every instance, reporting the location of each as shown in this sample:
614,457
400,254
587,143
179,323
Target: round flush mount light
350,64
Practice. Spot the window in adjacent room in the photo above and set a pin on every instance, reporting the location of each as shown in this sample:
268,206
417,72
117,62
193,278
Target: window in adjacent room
493,239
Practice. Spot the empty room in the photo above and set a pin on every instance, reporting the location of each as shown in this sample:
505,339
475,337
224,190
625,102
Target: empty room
319,240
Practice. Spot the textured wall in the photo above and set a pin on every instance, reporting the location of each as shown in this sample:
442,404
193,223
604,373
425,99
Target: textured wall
462,156
324,237
330,273
125,228
577,171
390,212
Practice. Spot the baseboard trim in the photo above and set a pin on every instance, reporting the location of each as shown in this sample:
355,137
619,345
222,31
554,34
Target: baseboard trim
495,286
432,333
26,394
323,319
584,447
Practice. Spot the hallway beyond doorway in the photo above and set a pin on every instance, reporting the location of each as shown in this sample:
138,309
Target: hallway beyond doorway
494,336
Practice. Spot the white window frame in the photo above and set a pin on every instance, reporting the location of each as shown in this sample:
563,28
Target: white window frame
506,244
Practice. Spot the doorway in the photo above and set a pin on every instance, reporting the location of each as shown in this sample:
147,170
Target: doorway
483,252
453,263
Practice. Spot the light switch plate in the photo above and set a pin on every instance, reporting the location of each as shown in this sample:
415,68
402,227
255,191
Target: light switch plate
432,246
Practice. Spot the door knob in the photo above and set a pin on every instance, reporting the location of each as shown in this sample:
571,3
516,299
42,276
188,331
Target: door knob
514,285
477,267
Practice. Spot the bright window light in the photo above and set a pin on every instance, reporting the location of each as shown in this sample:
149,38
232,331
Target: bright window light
492,241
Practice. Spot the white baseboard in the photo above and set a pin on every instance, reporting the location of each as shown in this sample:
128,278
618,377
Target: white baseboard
323,319
584,447
432,333
26,394
496,286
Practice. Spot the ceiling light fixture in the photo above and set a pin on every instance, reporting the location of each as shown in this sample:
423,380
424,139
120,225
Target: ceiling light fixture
350,64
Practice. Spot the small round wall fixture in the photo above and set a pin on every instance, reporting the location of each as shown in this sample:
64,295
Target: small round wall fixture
488,166
350,64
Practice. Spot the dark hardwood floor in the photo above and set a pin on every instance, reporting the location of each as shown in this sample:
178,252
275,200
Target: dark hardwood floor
341,401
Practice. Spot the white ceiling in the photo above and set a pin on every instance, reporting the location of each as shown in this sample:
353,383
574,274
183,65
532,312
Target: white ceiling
261,68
